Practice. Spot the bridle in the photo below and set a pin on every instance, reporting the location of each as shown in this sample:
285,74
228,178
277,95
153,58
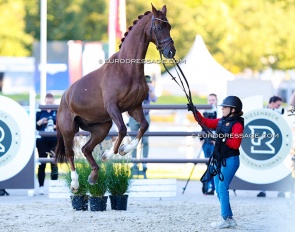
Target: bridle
160,48
214,162
159,42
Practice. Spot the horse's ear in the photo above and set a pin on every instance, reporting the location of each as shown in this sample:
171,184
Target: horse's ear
154,10
164,10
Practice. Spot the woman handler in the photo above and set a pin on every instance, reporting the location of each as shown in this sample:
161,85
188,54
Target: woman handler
225,158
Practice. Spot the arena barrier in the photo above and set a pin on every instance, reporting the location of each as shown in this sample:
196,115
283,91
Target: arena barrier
140,187
271,173
133,133
149,107
147,160
156,188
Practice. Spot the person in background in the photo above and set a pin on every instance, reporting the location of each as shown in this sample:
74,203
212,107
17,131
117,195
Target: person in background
274,103
226,153
208,144
134,125
292,99
46,121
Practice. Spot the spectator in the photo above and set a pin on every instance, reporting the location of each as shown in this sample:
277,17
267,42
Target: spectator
46,121
226,153
292,99
275,103
208,144
134,125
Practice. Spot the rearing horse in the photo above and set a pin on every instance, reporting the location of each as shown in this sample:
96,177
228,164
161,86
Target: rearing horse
100,97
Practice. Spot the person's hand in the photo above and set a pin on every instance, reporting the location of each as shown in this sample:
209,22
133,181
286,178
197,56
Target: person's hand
190,107
45,121
42,121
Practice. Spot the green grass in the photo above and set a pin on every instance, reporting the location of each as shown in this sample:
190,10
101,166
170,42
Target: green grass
20,98
179,100
23,99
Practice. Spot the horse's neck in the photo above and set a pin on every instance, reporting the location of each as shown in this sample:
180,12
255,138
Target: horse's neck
136,44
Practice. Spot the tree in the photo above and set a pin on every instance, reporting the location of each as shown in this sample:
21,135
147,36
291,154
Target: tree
13,39
69,19
239,34
262,32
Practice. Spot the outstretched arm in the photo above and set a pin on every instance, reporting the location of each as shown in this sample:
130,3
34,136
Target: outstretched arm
210,123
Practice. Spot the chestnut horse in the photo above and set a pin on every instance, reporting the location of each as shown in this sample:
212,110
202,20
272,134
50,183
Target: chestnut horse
100,97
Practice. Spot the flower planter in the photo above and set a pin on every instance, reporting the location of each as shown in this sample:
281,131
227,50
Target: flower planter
119,202
98,203
80,203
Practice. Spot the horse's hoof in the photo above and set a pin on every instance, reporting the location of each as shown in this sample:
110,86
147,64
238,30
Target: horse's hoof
73,190
74,185
122,150
106,156
90,180
122,153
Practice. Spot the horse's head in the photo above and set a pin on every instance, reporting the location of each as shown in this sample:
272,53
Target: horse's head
160,32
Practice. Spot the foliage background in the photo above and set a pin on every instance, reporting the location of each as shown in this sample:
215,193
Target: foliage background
252,34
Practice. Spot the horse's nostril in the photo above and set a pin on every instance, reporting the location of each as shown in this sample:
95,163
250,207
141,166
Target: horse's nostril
171,54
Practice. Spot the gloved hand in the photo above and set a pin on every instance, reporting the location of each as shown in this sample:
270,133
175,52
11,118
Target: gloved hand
190,107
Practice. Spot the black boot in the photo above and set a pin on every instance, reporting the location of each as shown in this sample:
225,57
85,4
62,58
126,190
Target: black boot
3,192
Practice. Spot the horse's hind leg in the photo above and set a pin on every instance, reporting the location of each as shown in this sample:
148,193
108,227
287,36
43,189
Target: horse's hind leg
98,134
74,176
67,127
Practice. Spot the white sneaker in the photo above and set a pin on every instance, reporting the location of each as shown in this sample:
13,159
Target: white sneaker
232,222
41,190
221,224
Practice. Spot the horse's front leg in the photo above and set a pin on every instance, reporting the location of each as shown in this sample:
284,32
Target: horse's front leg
117,118
138,115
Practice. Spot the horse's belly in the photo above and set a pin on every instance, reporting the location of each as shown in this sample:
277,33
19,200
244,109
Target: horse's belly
91,114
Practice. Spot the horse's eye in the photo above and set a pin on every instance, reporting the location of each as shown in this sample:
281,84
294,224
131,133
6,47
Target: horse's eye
159,27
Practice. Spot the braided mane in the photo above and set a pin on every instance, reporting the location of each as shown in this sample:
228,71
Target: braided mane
130,28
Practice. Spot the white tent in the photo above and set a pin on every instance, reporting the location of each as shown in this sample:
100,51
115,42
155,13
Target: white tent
203,73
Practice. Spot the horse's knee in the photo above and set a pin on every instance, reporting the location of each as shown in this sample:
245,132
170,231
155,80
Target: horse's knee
144,126
86,151
123,131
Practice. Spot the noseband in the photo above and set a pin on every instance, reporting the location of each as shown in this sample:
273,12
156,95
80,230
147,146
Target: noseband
159,42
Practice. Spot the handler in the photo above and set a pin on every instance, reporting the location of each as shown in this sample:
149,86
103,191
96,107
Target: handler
225,158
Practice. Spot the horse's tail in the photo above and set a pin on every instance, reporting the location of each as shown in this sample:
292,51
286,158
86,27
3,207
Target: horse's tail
60,151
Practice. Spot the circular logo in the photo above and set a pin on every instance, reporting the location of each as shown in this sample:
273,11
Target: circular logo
267,140
5,138
17,138
9,139
263,143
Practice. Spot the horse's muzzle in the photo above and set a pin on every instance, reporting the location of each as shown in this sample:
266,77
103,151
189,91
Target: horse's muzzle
169,52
